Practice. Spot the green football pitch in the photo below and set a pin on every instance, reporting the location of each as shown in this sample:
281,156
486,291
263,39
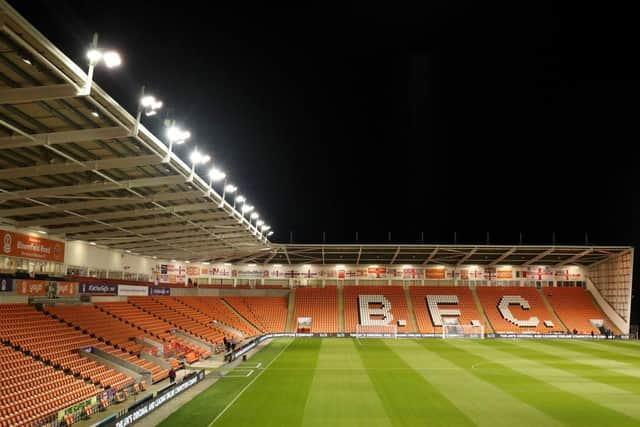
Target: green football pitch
428,382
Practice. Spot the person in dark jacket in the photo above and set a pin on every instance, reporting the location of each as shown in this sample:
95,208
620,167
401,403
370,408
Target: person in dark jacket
172,376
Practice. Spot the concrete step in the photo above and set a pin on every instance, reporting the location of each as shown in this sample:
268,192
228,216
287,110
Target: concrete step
412,314
340,309
488,326
291,310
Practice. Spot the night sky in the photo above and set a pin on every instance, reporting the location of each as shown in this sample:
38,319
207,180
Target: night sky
456,116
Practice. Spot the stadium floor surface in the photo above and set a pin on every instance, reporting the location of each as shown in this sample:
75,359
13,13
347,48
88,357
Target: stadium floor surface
373,382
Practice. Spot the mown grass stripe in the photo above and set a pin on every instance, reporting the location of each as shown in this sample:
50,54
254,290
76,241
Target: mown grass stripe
483,402
204,407
621,350
279,396
408,399
570,408
341,393
586,364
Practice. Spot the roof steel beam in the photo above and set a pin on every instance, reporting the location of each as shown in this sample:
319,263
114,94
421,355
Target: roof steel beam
63,137
37,93
90,188
574,257
539,256
503,256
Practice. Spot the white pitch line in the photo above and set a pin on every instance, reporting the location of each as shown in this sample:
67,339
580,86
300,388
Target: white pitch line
248,385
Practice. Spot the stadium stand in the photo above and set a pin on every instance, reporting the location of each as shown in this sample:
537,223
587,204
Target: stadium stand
31,391
152,325
575,308
394,294
267,313
490,297
321,304
112,331
214,309
466,304
168,313
52,341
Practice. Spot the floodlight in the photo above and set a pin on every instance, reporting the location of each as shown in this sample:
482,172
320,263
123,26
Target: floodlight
259,222
177,135
112,59
240,199
147,101
216,174
94,55
230,188
198,158
270,233
255,215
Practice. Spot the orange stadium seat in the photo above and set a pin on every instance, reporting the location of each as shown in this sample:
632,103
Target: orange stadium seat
321,304
214,309
395,295
575,308
267,313
491,296
466,305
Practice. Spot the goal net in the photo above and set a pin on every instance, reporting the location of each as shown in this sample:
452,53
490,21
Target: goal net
377,331
462,331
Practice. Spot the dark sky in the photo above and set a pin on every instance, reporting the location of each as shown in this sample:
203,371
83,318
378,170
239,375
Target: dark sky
456,116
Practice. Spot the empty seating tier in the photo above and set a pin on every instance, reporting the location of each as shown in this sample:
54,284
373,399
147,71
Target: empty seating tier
32,392
516,310
394,295
214,309
52,341
576,309
267,313
321,304
466,305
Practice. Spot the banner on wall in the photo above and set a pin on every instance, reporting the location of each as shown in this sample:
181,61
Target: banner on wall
66,288
31,287
435,273
159,291
6,284
132,290
33,247
376,272
568,275
98,288
193,271
539,273
504,274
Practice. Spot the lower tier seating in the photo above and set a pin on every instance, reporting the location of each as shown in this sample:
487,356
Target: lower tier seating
466,305
321,304
393,294
267,313
576,309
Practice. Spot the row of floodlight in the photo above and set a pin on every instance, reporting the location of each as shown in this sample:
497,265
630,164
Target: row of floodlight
150,105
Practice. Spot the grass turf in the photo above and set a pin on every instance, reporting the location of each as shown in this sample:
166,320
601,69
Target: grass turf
344,382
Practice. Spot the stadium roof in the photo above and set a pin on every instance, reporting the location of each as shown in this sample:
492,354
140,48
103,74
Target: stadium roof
73,165
449,255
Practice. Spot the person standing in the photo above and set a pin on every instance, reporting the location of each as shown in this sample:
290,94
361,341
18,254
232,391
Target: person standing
172,376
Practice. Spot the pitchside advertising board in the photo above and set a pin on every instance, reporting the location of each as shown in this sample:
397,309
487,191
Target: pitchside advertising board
131,290
6,283
98,288
32,247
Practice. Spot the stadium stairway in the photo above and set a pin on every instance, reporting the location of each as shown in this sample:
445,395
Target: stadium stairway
412,314
341,309
556,318
291,310
485,318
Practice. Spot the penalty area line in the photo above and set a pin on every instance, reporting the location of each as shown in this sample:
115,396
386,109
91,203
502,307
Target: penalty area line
248,385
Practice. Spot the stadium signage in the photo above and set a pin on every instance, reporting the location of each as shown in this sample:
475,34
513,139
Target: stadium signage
159,291
98,288
139,411
33,247
77,407
31,287
132,290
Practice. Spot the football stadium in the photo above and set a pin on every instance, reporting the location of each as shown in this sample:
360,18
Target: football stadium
138,287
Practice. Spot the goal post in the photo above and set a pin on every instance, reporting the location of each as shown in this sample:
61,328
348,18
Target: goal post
377,331
462,331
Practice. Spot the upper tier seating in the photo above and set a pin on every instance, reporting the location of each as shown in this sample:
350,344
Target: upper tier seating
55,342
575,308
466,305
213,308
267,313
112,330
490,297
31,392
394,294
321,304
